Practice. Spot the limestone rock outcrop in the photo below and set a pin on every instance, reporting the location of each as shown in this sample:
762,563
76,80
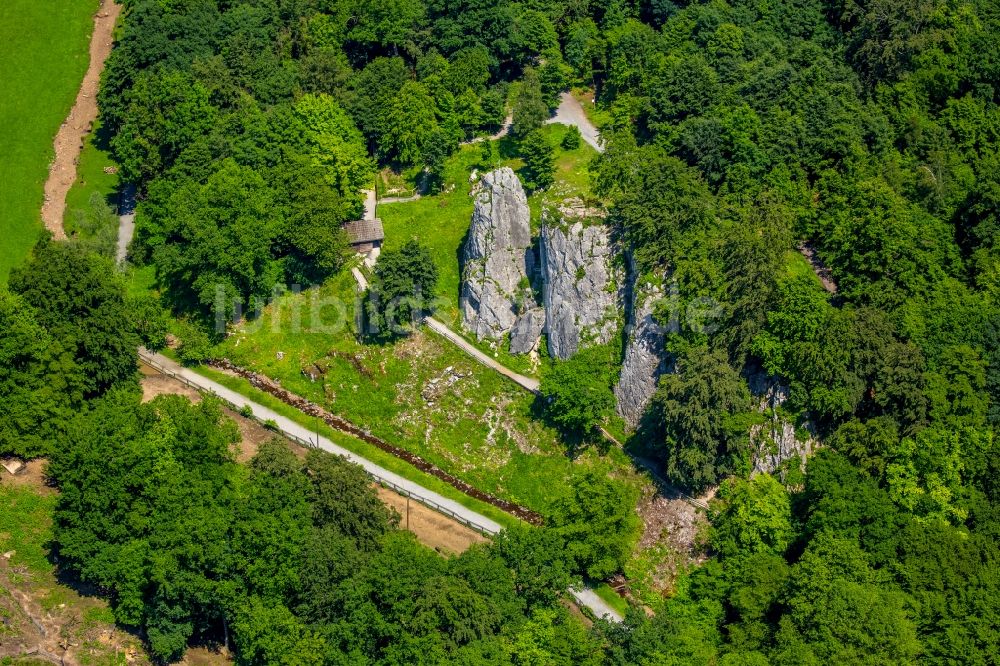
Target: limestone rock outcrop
581,284
777,441
527,330
645,359
497,256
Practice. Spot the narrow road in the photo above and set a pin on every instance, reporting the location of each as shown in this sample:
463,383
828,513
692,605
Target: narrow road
585,597
527,383
570,112
370,204
126,222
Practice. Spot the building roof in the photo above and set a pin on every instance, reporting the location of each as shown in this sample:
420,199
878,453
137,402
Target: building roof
364,231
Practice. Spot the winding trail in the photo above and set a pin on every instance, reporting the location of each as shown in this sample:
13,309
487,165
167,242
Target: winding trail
69,139
570,112
500,133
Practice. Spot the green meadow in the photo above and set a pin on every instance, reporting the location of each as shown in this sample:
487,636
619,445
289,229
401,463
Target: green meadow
43,56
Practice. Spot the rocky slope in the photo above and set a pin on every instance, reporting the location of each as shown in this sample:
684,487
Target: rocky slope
497,257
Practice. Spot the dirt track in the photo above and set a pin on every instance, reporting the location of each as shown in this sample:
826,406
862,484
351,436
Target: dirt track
69,139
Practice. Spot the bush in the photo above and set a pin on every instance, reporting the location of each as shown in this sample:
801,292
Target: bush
597,519
196,346
571,139
577,391
539,161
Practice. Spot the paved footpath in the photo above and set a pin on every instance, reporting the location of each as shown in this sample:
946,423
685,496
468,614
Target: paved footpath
570,112
126,222
527,383
285,425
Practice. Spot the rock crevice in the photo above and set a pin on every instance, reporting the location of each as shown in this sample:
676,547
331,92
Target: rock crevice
645,359
777,441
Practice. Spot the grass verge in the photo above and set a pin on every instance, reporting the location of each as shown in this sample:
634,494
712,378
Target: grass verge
26,526
418,392
96,176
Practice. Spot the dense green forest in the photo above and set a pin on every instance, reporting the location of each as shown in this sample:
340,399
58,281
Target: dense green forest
866,133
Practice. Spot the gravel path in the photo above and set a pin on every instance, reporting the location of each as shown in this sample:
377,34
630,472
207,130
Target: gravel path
587,597
500,133
69,139
370,203
570,112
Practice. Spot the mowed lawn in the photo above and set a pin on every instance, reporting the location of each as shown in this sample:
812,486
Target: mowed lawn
44,52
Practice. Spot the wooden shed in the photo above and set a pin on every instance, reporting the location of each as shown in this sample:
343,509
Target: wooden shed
365,235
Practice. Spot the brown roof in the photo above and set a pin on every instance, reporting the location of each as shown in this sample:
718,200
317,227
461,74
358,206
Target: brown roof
364,231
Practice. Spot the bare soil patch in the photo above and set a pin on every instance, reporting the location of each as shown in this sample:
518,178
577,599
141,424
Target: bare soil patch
673,540
154,384
32,476
432,529
69,139
46,622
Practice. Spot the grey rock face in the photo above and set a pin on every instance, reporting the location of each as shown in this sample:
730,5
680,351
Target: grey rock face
581,286
524,336
776,441
645,359
497,256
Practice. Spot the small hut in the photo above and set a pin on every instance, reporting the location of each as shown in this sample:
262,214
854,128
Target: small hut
365,235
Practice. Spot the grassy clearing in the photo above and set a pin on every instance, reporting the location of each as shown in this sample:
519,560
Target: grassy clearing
419,393
440,222
361,448
43,56
26,526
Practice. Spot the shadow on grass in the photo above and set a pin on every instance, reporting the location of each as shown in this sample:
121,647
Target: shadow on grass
576,441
